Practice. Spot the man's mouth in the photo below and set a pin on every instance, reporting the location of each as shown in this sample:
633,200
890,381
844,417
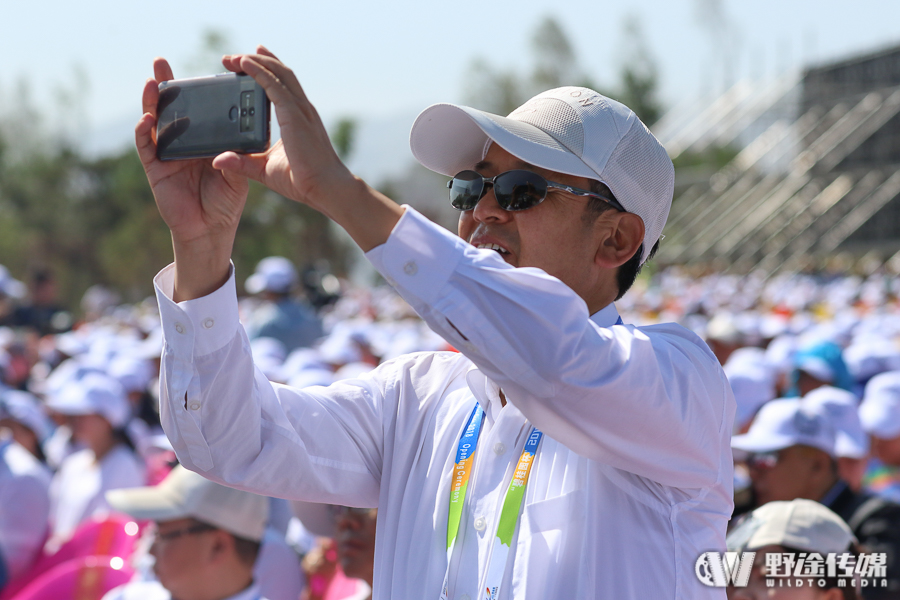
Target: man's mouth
496,247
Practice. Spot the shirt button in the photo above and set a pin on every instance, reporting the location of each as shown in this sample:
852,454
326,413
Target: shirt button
179,327
411,268
499,448
208,323
194,406
480,524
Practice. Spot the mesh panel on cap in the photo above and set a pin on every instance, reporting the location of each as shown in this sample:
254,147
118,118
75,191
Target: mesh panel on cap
557,118
641,175
529,134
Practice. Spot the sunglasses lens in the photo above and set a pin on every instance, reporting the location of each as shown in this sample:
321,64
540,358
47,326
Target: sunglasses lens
465,190
518,190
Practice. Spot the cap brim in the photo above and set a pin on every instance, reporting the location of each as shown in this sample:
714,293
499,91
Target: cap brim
146,503
756,443
447,139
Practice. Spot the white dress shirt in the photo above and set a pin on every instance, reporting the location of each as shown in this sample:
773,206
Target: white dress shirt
632,481
24,507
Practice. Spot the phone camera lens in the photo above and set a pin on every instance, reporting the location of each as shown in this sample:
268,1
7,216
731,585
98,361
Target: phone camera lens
252,111
243,112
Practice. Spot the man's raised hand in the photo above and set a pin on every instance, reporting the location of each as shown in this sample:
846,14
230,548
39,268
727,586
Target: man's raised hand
302,165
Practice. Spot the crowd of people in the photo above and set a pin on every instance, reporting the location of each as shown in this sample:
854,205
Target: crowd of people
582,441
813,361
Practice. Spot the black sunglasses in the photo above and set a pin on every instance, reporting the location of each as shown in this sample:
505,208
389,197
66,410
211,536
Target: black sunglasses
514,190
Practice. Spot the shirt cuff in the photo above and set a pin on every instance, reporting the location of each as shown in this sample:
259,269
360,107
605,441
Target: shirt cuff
201,326
418,257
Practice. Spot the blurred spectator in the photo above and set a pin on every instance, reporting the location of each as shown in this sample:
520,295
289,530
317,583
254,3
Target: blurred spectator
280,316
880,417
791,448
818,365
42,313
24,509
799,526
206,542
22,415
99,412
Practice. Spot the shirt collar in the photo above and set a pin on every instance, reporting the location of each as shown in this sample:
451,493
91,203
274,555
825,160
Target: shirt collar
606,317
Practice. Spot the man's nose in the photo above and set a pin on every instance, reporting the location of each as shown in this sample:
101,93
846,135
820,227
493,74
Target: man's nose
488,209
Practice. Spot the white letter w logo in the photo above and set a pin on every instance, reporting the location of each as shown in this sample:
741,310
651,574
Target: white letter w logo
712,571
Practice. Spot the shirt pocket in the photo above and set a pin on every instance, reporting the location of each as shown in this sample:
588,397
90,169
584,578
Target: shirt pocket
550,550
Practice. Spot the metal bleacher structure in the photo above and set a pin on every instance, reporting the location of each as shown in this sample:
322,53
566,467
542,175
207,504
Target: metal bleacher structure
816,170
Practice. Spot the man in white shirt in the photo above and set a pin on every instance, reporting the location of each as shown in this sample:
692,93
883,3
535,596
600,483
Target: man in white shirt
627,428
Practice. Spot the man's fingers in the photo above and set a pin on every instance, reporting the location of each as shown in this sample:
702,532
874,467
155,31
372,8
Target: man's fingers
161,70
143,139
150,97
260,49
247,165
275,71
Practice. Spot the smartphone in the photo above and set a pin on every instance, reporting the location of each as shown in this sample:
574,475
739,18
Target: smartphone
205,116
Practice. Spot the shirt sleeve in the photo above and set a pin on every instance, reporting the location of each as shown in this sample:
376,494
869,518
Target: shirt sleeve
652,401
227,421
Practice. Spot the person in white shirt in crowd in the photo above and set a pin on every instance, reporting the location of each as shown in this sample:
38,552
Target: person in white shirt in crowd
206,541
627,428
98,410
798,528
24,508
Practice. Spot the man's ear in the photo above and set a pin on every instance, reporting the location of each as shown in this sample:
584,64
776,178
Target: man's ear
621,234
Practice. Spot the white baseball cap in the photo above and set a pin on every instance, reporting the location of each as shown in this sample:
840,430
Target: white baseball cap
799,524
880,408
93,394
571,130
787,422
841,407
185,494
273,274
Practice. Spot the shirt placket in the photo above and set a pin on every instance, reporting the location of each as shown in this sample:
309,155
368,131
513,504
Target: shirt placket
495,461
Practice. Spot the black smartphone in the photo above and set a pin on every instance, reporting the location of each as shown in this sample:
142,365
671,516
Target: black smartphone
205,116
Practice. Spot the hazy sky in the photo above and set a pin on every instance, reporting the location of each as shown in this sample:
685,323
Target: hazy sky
375,60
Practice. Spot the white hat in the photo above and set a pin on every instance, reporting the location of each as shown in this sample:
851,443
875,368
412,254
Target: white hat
880,408
786,422
752,384
273,274
571,130
799,524
25,409
185,494
840,406
93,394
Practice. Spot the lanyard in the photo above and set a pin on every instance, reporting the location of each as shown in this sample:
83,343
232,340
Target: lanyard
509,514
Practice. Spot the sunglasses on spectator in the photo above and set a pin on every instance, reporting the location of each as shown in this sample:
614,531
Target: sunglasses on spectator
514,190
763,460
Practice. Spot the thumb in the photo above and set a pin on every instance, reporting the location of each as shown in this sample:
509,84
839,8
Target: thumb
246,165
